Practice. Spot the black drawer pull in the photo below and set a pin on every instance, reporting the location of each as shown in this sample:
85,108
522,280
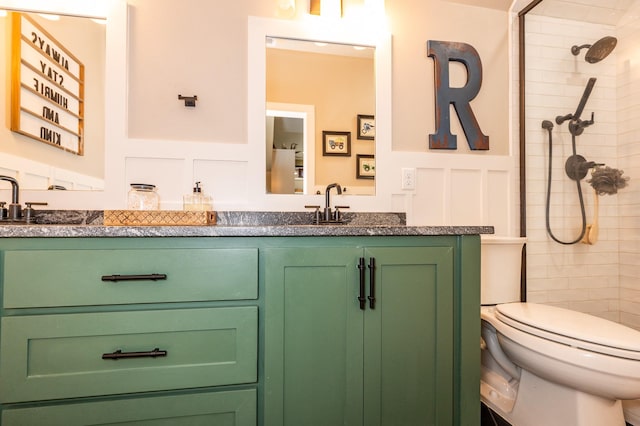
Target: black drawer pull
143,277
119,354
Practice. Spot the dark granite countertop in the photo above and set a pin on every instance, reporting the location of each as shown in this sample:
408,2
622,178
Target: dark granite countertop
69,224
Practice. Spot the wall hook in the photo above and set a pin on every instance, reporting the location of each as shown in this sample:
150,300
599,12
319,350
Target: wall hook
189,101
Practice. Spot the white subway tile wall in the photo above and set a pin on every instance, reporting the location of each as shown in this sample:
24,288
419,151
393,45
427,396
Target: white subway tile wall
599,279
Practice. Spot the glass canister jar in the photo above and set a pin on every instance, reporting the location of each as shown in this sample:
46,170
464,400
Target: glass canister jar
143,196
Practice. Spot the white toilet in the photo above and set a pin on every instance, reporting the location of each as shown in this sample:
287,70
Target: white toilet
543,365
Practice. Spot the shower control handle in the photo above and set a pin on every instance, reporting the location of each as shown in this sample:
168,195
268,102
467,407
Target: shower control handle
577,167
574,167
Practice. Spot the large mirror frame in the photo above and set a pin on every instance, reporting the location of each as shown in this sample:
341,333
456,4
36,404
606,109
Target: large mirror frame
315,29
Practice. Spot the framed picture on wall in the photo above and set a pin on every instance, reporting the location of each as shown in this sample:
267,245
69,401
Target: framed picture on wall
366,127
336,143
365,166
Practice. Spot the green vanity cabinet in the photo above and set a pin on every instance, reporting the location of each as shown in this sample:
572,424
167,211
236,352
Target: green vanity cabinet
288,330
153,331
334,356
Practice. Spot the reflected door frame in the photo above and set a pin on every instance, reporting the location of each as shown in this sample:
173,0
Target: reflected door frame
307,114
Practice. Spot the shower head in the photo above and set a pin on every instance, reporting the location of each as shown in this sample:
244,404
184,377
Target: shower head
547,125
598,50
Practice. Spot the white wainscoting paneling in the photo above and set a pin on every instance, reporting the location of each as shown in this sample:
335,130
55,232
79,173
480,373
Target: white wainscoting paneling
459,189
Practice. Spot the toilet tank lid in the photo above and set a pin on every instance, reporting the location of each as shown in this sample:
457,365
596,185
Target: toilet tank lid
572,324
500,239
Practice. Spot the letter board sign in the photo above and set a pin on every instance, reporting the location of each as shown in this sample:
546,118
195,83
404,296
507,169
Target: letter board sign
47,87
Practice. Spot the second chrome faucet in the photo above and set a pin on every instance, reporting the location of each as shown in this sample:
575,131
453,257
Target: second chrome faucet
14,213
328,216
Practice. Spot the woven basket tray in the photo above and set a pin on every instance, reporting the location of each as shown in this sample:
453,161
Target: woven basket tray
158,218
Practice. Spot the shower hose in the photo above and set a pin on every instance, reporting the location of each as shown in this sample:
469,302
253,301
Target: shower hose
579,188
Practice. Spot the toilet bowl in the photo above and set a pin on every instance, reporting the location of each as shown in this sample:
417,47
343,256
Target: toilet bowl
547,365
558,375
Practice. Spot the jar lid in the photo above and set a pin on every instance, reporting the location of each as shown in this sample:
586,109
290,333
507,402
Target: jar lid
143,186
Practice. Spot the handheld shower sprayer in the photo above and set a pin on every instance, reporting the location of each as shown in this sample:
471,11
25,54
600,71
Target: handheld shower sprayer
576,166
548,126
576,125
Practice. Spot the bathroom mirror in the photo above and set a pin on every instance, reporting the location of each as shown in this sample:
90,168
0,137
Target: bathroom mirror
275,76
331,85
37,165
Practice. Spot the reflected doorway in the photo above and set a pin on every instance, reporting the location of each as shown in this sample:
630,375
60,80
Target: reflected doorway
290,148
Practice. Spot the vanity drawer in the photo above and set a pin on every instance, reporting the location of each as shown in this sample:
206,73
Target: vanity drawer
45,357
46,278
237,408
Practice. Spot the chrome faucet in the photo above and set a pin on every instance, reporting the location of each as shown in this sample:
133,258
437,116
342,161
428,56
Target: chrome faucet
15,213
15,210
328,216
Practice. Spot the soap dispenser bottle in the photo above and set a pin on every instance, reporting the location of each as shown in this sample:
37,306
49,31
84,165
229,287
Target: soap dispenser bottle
197,201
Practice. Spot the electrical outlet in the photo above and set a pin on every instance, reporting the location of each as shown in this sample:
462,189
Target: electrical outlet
408,178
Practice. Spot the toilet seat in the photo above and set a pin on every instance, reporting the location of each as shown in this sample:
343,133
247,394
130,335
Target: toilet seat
572,328
573,363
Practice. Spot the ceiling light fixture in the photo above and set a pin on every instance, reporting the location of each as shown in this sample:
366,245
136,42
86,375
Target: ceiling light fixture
326,8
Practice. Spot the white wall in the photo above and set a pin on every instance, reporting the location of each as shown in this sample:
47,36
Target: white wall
459,187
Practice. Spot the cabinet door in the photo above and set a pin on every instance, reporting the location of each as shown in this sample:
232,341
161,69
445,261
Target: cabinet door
409,336
313,337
